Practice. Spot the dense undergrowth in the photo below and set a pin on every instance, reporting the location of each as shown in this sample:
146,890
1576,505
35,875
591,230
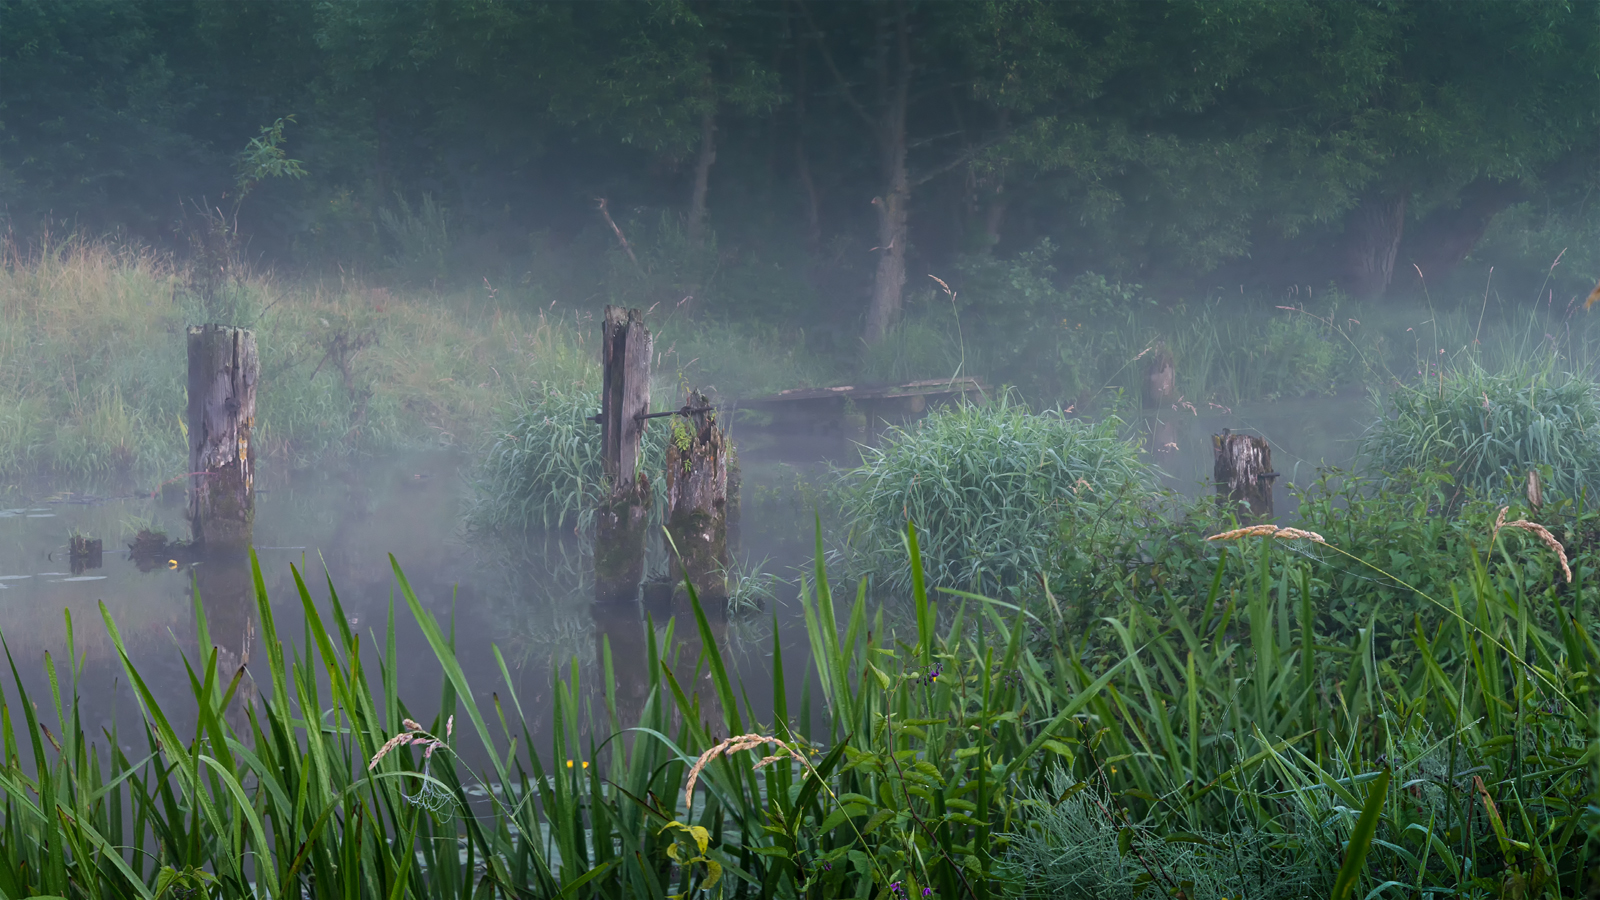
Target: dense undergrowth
1405,706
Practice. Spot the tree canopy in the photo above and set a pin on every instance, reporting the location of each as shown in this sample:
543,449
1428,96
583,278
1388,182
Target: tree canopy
1170,143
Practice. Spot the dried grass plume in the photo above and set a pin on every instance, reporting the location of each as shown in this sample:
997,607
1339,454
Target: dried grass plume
1538,531
1271,531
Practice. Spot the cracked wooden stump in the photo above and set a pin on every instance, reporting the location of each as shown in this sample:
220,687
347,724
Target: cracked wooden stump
223,371
1243,474
697,498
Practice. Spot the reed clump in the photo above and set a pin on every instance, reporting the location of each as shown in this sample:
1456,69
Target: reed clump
989,486
1491,428
542,466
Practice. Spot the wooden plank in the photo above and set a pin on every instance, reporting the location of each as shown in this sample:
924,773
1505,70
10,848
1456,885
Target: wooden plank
933,388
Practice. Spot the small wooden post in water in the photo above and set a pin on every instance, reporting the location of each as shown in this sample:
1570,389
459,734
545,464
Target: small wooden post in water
697,497
1243,472
625,350
223,370
1160,378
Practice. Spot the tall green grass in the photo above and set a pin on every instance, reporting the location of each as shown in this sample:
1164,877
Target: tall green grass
92,362
542,466
988,486
1492,429
1196,743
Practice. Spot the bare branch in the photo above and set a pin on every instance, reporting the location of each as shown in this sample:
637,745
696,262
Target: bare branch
844,84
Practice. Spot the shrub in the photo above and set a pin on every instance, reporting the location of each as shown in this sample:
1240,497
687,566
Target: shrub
543,466
1491,429
987,487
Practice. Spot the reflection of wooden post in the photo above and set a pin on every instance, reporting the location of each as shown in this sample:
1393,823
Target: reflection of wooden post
1160,378
83,552
227,592
625,348
1243,472
223,369
697,498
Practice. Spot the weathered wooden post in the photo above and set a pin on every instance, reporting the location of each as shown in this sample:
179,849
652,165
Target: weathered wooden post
1243,472
223,370
621,521
1160,378
697,497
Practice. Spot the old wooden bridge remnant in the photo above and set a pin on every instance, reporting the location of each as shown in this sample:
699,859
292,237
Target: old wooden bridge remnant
825,409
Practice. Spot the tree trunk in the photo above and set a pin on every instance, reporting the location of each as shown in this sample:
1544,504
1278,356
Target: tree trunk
1440,242
697,498
1242,470
223,370
702,177
802,162
894,81
1372,237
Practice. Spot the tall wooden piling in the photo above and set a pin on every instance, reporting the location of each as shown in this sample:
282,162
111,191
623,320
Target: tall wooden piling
223,371
1242,470
621,521
697,497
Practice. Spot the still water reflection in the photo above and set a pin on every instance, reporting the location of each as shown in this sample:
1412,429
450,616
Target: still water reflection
533,598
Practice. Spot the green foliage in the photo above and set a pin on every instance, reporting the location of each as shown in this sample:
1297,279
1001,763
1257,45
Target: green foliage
421,239
542,466
1219,731
916,348
263,158
1492,429
987,485
1023,290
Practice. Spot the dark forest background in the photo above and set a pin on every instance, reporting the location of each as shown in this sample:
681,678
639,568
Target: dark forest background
798,160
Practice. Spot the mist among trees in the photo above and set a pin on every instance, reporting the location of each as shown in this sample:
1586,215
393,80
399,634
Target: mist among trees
802,160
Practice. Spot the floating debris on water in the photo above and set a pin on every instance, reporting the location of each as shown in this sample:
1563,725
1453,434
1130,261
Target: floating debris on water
13,577
81,578
41,515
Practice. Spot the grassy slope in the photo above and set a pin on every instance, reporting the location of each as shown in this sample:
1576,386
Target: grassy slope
92,364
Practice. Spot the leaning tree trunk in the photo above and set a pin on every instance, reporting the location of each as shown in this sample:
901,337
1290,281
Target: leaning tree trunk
223,369
697,498
1372,238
